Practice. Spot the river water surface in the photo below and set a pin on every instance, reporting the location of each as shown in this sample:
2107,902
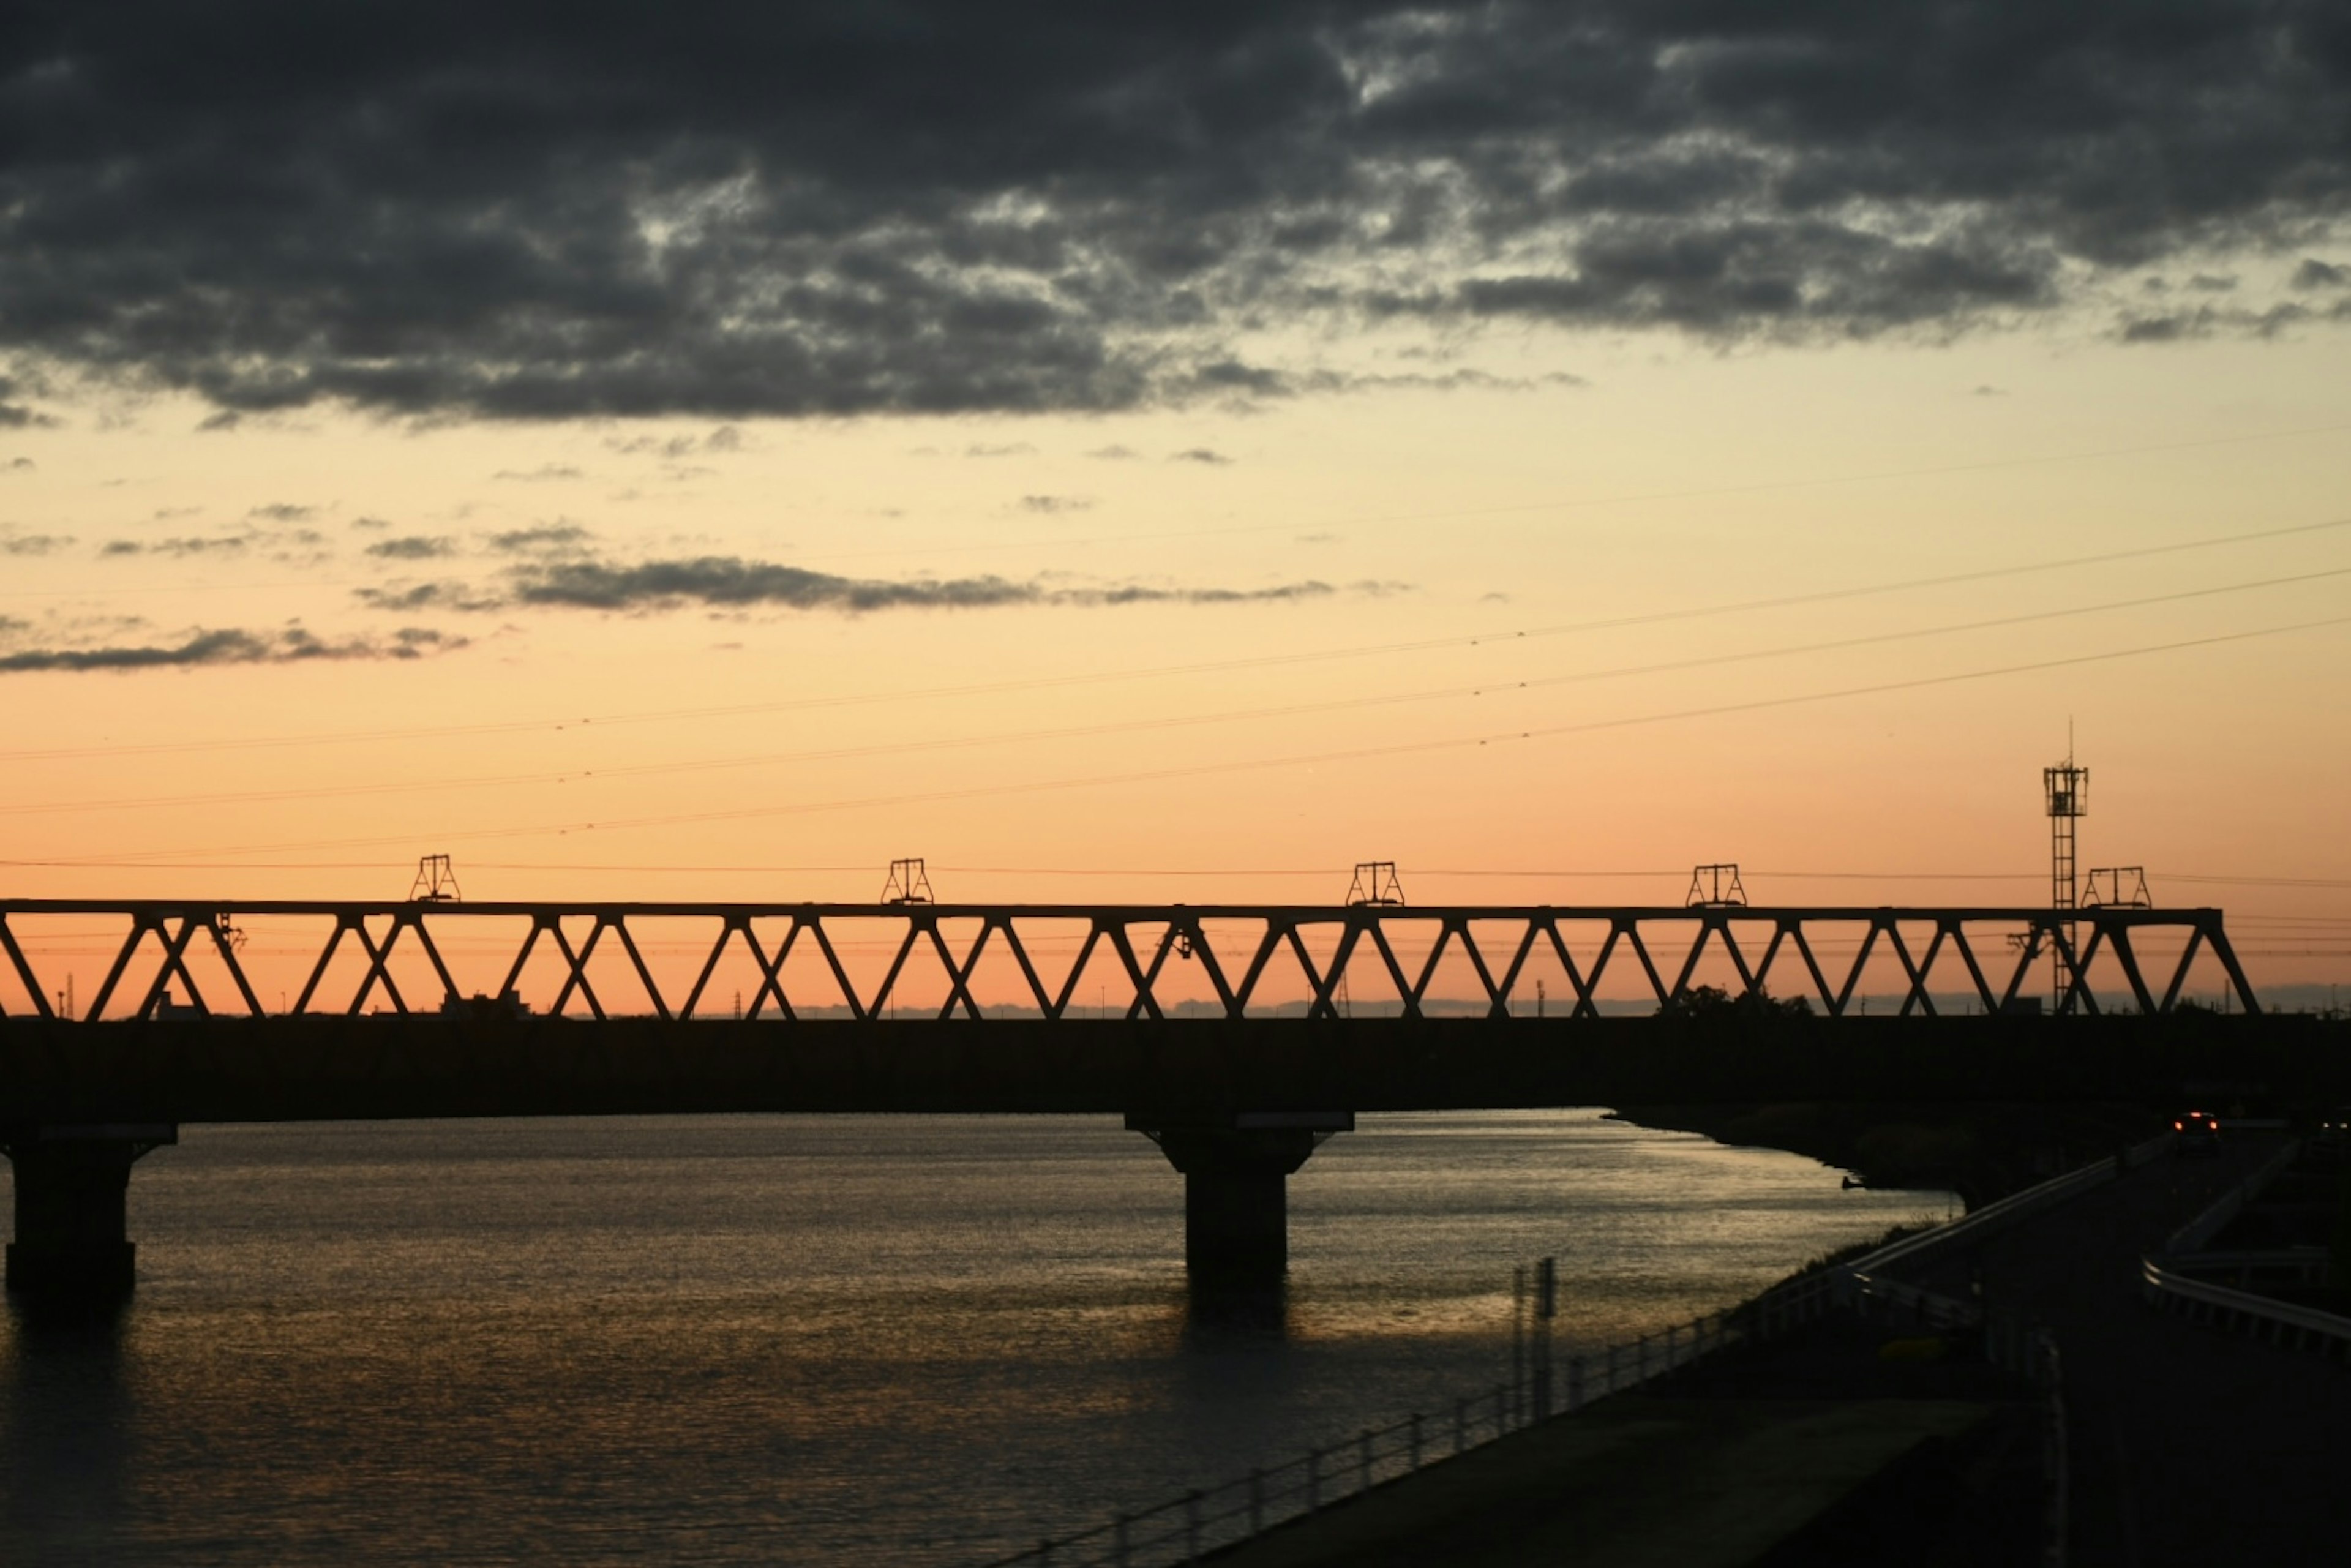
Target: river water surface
802,1338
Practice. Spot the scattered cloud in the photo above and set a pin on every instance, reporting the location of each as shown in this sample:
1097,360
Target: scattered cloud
1987,389
218,424
371,523
218,544
543,536
1003,449
1200,455
1050,505
2210,321
413,547
165,514
2315,274
17,465
289,646
410,597
12,543
284,512
725,438
20,416
730,581
1115,454
544,472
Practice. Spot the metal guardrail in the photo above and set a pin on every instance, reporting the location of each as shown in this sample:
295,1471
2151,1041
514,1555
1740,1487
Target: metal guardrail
2191,1237
2168,1286
2280,1323
2013,1209
1183,1528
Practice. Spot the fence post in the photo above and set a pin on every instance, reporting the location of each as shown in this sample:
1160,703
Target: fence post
1517,1334
1256,1499
1460,1425
1045,1552
1363,1456
1118,1542
1546,1309
1673,1334
1501,1412
1192,1526
1575,1383
1314,1481
1641,1361
1415,1442
1612,1366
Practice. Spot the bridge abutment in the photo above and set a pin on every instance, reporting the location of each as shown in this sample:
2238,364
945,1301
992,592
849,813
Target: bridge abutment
1237,1174
72,1183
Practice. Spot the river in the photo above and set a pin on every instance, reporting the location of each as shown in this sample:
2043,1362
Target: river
850,1340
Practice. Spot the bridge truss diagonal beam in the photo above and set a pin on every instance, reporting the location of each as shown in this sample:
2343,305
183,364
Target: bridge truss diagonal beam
1162,956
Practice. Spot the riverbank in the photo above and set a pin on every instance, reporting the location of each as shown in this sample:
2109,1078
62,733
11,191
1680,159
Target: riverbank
1983,1151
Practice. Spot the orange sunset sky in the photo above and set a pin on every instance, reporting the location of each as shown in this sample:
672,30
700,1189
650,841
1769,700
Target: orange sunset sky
1545,609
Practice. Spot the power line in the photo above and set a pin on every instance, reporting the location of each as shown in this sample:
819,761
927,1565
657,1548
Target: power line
1266,764
1123,727
984,688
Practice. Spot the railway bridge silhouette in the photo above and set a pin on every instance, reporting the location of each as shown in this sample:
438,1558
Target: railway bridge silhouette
1243,1035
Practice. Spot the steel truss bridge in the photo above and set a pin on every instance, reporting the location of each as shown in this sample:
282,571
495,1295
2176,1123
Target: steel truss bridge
1248,1032
1986,953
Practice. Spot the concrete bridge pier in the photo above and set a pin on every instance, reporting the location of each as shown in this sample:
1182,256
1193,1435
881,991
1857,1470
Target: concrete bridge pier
1235,1186
71,1183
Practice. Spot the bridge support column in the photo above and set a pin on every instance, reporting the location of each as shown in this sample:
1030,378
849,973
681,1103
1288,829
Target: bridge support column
1235,1187
71,1183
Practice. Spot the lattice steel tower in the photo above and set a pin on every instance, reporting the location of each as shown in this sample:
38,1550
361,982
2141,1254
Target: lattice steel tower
2067,788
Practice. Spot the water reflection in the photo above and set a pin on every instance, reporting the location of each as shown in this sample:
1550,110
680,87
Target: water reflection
65,1426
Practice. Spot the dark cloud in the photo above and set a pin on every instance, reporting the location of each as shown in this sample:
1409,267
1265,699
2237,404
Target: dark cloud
371,523
2315,274
32,544
284,512
413,547
441,208
17,465
1115,454
291,646
1200,455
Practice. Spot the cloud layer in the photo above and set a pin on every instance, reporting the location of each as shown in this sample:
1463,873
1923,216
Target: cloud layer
437,208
